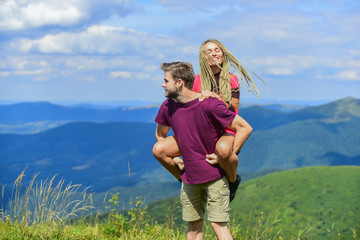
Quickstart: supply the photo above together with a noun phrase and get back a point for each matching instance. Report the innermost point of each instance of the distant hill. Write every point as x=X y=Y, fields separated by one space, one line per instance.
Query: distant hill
x=27 y=112
x=284 y=107
x=98 y=155
x=22 y=113
x=340 y=109
x=303 y=143
x=321 y=135
x=34 y=117
x=102 y=155
x=320 y=201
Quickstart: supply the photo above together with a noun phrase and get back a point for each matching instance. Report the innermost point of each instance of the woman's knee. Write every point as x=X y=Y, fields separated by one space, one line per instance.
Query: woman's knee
x=158 y=149
x=223 y=150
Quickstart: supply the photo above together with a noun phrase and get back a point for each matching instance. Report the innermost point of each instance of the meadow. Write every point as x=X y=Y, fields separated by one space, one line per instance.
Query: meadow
x=305 y=203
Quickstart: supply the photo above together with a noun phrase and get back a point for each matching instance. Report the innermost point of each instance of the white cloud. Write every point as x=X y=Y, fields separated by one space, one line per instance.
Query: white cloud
x=4 y=74
x=18 y=15
x=41 y=78
x=86 y=68
x=354 y=52
x=99 y=63
x=347 y=75
x=191 y=49
x=208 y=5
x=24 y=63
x=293 y=64
x=142 y=76
x=29 y=72
x=355 y=63
x=275 y=34
x=121 y=74
x=279 y=71
x=180 y=6
x=128 y=75
x=95 y=46
x=100 y=39
x=286 y=65
x=40 y=14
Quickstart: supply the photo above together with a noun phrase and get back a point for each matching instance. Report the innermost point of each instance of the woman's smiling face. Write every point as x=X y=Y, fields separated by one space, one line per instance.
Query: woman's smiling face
x=215 y=53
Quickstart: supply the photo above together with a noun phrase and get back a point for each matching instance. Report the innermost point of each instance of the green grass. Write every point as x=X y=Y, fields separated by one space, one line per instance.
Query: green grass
x=319 y=202
x=306 y=203
x=316 y=198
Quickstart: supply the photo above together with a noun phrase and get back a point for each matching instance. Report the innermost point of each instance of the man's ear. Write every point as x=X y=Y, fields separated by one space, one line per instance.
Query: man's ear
x=180 y=82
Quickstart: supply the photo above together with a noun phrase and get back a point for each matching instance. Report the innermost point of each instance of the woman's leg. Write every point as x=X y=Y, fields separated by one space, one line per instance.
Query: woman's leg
x=164 y=151
x=225 y=156
x=228 y=161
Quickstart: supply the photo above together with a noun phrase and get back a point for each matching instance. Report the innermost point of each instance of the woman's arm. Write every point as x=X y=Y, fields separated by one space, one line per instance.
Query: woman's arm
x=243 y=131
x=235 y=104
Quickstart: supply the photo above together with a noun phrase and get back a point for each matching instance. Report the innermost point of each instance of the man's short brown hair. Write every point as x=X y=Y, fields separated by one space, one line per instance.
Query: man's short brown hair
x=180 y=70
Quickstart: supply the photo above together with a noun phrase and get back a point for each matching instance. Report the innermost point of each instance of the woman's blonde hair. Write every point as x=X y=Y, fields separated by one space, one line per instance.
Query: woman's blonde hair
x=208 y=81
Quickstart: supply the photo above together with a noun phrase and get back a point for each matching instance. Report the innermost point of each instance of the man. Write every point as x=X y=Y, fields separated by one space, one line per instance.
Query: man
x=197 y=126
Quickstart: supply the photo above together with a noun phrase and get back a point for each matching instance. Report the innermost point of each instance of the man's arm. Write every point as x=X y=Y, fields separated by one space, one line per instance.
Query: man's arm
x=243 y=131
x=161 y=132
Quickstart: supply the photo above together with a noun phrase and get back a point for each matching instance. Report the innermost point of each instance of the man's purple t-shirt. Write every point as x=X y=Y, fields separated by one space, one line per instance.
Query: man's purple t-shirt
x=197 y=125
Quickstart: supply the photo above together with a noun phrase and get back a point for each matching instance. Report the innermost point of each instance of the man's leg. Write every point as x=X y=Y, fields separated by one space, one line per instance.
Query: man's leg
x=193 y=202
x=165 y=151
x=222 y=230
x=218 y=207
x=195 y=230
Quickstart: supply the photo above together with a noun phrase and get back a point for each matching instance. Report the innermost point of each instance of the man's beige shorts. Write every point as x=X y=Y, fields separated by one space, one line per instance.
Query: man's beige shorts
x=214 y=195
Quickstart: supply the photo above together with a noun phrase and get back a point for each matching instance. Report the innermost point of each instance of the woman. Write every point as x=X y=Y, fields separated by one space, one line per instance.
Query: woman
x=214 y=81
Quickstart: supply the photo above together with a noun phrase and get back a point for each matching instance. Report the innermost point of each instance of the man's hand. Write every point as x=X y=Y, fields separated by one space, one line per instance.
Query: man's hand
x=206 y=94
x=212 y=159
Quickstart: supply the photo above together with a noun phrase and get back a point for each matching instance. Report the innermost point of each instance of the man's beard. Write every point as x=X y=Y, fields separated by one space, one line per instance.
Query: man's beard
x=172 y=94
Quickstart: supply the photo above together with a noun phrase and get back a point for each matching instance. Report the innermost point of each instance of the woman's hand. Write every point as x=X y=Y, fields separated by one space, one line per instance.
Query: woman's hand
x=206 y=94
x=212 y=159
x=179 y=162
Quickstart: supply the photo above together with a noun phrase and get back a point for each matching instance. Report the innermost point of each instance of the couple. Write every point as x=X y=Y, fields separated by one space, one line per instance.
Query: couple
x=209 y=133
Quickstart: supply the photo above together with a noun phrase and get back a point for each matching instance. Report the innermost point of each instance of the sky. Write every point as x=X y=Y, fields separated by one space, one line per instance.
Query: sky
x=110 y=50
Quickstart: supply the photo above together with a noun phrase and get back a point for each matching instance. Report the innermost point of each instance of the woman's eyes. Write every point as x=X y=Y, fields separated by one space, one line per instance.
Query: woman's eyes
x=216 y=50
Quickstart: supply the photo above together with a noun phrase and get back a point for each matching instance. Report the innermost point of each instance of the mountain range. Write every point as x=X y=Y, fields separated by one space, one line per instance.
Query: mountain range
x=110 y=153
x=34 y=117
x=27 y=112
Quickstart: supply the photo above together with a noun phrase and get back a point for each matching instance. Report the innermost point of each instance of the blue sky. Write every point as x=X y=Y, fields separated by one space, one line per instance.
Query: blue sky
x=110 y=50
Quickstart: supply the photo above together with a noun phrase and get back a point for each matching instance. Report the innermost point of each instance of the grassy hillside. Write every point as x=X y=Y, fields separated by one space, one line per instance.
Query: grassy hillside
x=314 y=197
x=306 y=203
x=149 y=193
x=319 y=200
